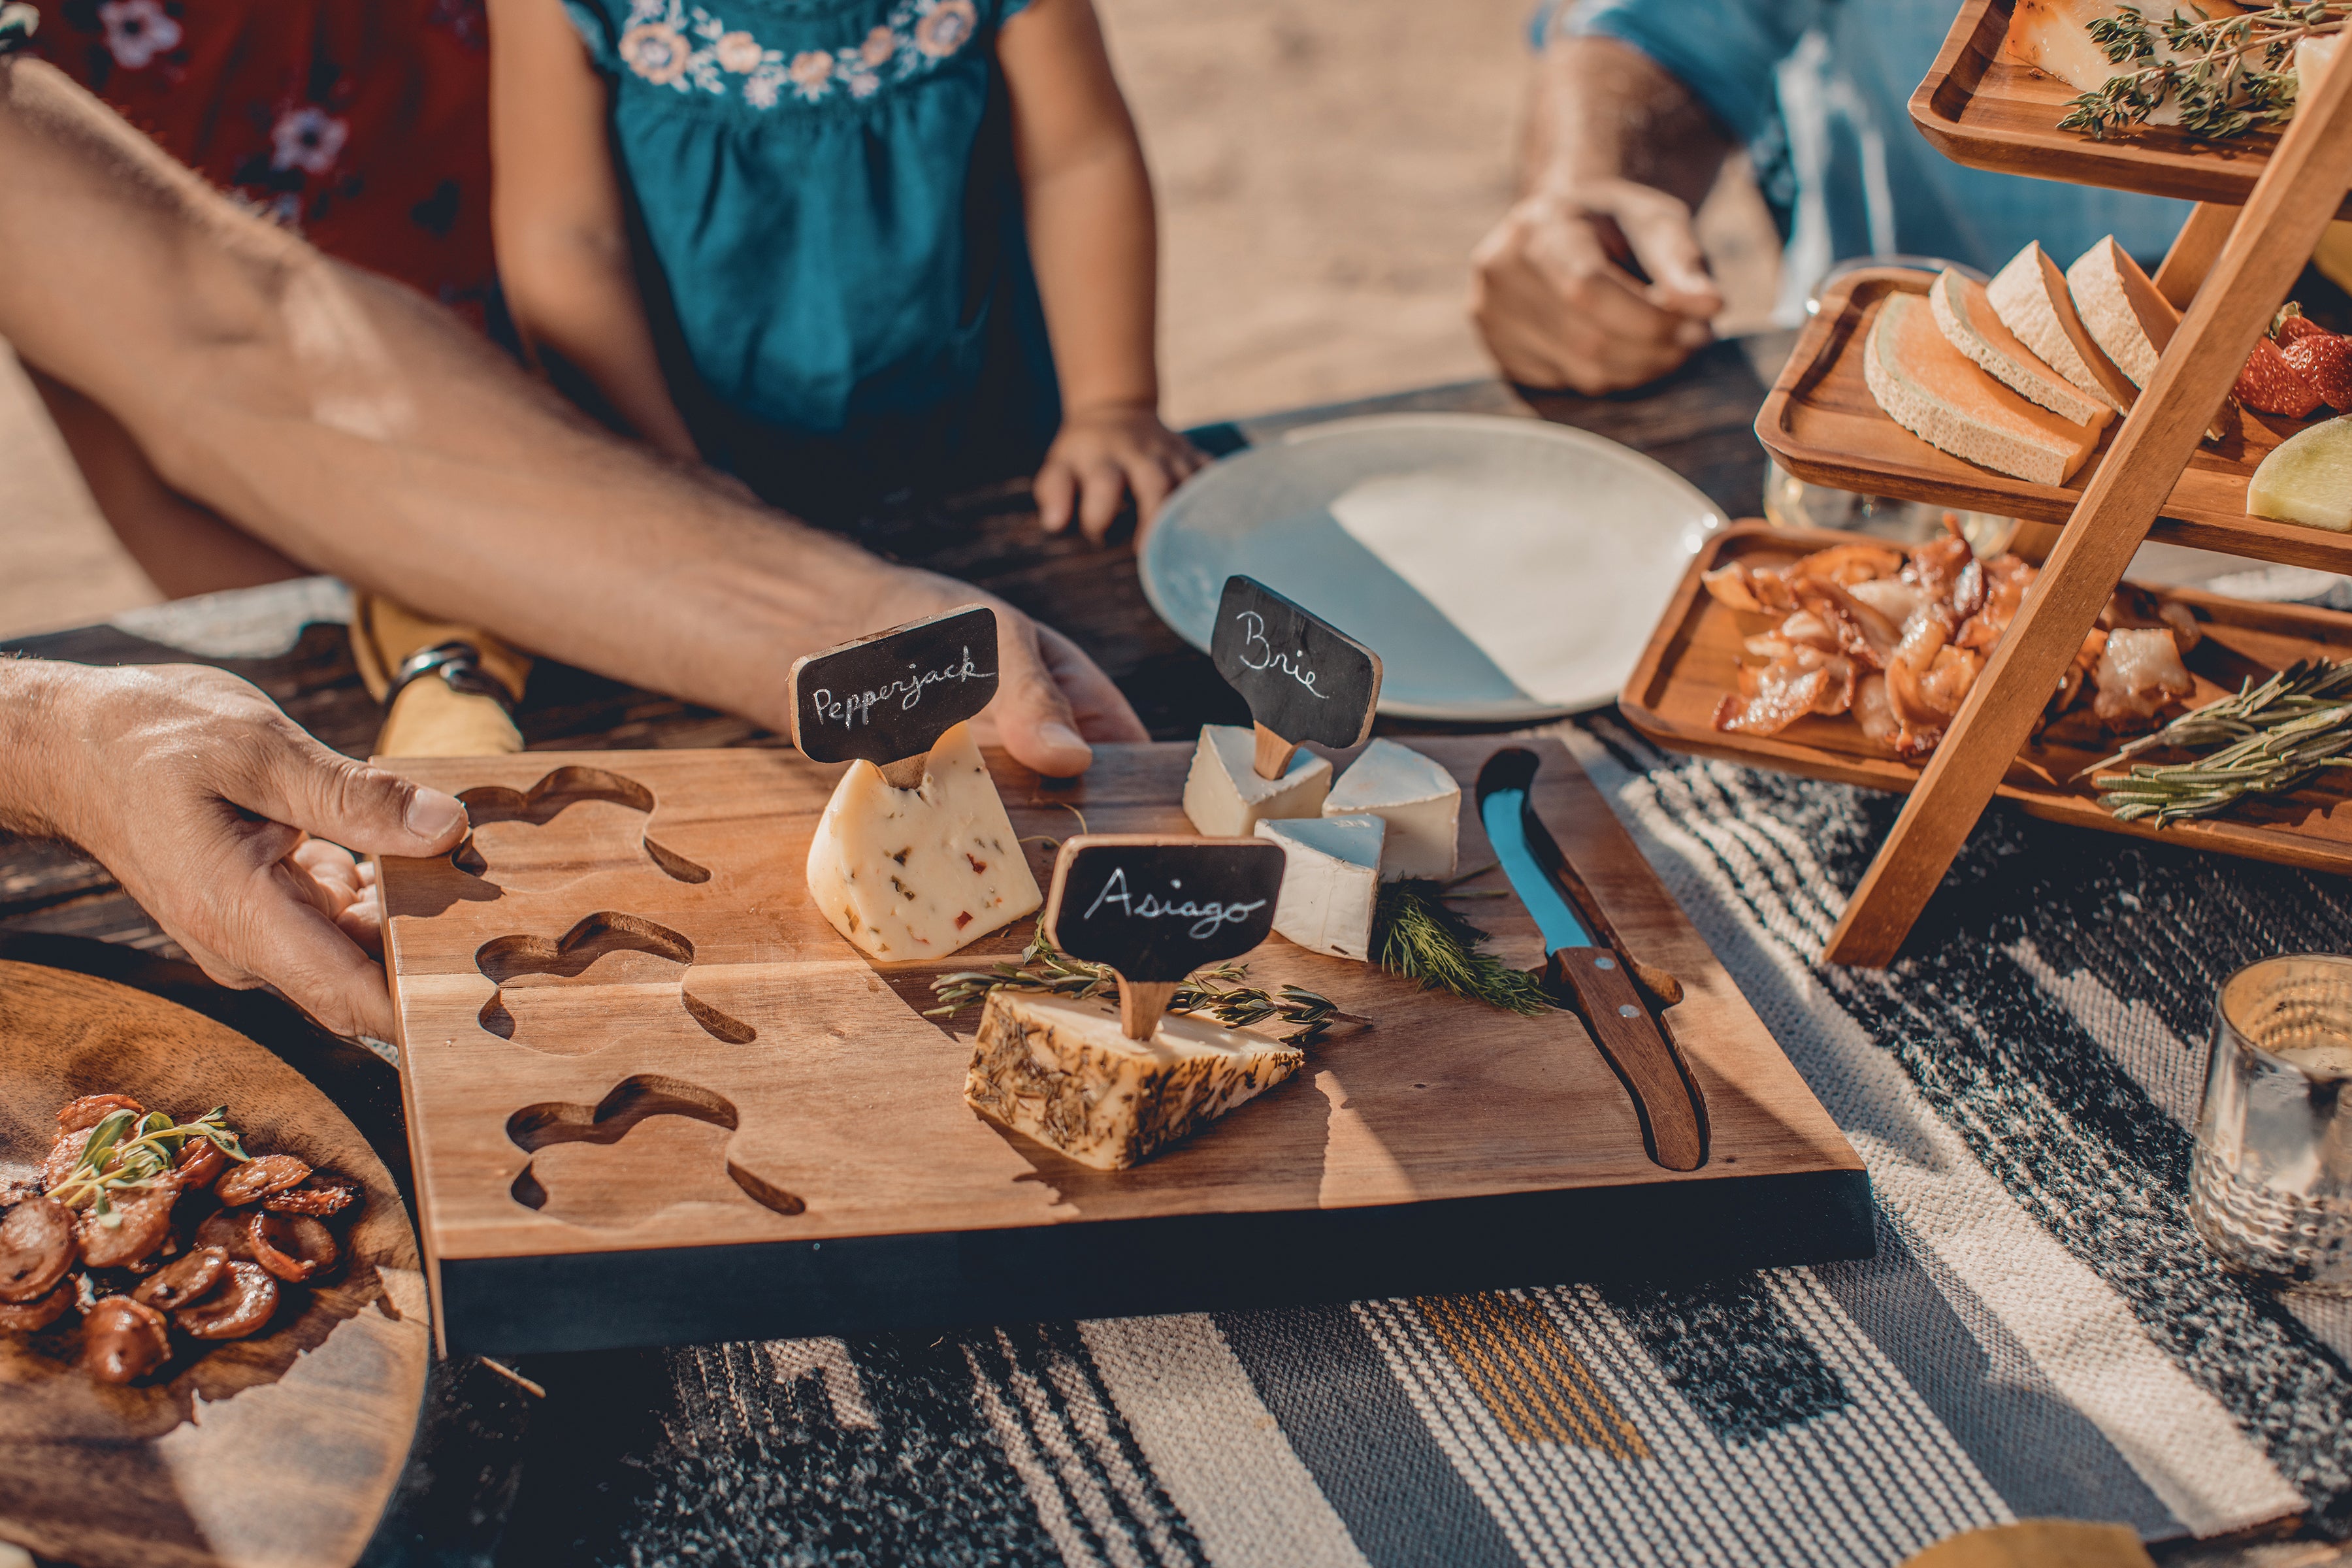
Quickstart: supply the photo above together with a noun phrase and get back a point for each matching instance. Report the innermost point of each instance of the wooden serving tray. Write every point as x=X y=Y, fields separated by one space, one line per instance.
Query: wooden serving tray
x=1977 y=106
x=1693 y=658
x=1820 y=424
x=652 y=1097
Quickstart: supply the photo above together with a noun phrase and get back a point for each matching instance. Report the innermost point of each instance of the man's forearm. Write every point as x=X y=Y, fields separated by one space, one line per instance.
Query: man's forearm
x=364 y=432
x=1603 y=110
x=28 y=747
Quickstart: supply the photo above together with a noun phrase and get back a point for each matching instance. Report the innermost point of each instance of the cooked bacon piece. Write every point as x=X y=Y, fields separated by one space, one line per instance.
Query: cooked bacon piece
x=1750 y=586
x=1862 y=633
x=2138 y=609
x=37 y=1247
x=1891 y=597
x=123 y=1340
x=2139 y=674
x=64 y=1155
x=1874 y=712
x=2006 y=580
x=1847 y=565
x=1774 y=695
x=1936 y=567
x=93 y=1109
x=258 y=1178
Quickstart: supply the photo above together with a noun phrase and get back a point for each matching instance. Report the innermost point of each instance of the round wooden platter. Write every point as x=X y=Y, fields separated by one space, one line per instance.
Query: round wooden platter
x=281 y=1449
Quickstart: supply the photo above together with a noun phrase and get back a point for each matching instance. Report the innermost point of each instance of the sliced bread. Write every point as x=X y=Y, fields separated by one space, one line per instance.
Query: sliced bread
x=1937 y=392
x=2029 y=296
x=1967 y=319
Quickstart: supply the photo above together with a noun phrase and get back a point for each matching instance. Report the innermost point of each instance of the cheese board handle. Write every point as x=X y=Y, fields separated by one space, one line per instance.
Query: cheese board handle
x=1273 y=754
x=1629 y=1037
x=907 y=773
x=1140 y=1004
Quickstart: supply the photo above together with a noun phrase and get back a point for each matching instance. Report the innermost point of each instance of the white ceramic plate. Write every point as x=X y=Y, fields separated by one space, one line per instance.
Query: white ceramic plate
x=1504 y=570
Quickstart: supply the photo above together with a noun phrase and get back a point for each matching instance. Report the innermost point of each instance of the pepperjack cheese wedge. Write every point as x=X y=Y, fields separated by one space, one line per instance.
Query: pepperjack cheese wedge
x=1330 y=882
x=1937 y=392
x=919 y=873
x=1225 y=798
x=1061 y=1072
x=1970 y=323
x=1420 y=802
x=2030 y=298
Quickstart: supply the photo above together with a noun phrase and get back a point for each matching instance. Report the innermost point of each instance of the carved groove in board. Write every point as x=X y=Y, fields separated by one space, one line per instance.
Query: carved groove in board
x=548 y=799
x=506 y=958
x=630 y=1104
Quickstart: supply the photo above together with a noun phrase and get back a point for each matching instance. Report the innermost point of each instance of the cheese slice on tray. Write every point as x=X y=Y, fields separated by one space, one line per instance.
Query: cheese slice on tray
x=2029 y=296
x=1061 y=1072
x=919 y=873
x=1420 y=801
x=2054 y=37
x=1330 y=882
x=1225 y=798
x=1937 y=392
x=1972 y=326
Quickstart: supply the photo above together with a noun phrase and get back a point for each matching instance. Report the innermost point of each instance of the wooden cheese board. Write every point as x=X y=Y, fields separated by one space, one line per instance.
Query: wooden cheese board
x=281 y=1449
x=1821 y=423
x=1979 y=107
x=1692 y=660
x=653 y=1096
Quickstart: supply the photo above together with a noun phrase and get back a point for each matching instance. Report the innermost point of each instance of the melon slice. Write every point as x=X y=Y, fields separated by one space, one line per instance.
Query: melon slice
x=2308 y=479
x=1967 y=319
x=2127 y=317
x=1937 y=392
x=2029 y=296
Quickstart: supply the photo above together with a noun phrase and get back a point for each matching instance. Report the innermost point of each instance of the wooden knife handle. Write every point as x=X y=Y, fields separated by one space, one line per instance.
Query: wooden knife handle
x=1622 y=1026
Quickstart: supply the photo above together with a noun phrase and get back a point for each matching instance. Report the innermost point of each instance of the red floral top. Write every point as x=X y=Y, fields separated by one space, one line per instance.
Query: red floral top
x=363 y=123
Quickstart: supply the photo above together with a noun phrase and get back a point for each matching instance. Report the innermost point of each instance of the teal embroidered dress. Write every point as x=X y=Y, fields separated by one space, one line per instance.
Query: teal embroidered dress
x=826 y=189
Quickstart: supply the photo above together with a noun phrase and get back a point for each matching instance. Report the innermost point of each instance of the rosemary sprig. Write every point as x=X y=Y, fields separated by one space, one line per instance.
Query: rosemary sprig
x=2266 y=739
x=1221 y=993
x=2302 y=689
x=2228 y=73
x=126 y=1150
x=1414 y=935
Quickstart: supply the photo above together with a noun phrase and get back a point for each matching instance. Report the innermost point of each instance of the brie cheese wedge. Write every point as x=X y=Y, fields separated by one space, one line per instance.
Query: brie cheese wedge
x=1330 y=882
x=1061 y=1072
x=919 y=873
x=1225 y=798
x=1420 y=801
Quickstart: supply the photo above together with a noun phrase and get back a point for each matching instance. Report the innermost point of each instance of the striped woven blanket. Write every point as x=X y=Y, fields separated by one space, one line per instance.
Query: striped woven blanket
x=2040 y=1334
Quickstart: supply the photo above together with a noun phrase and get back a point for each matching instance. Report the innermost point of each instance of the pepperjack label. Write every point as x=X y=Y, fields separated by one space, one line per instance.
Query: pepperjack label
x=892 y=695
x=1302 y=676
x=1158 y=909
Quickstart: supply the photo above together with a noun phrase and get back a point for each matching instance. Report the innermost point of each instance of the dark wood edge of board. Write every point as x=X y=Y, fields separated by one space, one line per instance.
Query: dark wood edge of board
x=1826 y=339
x=2159 y=163
x=517 y=1306
x=2247 y=841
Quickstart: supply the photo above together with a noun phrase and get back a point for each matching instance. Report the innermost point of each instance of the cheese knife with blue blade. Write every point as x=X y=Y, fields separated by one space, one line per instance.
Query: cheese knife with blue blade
x=1594 y=973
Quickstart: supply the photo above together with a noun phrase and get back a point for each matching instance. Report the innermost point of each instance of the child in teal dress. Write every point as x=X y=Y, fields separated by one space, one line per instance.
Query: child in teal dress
x=838 y=247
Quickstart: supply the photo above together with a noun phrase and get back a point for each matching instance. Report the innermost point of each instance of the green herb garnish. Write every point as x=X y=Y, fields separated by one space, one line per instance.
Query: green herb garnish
x=2266 y=739
x=1415 y=936
x=2232 y=73
x=126 y=1151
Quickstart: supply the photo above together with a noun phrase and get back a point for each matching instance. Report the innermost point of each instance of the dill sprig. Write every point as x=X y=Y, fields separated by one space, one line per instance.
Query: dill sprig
x=2229 y=73
x=1415 y=936
x=1222 y=993
x=126 y=1151
x=2265 y=740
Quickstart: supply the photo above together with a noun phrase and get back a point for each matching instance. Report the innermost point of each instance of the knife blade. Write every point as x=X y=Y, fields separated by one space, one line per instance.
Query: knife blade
x=1596 y=974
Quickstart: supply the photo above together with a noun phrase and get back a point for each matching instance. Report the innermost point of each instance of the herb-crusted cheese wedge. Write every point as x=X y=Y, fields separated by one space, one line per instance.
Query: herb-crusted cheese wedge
x=1062 y=1072
x=919 y=873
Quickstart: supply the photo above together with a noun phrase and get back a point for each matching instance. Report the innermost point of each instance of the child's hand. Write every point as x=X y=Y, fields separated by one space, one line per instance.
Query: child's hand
x=1102 y=454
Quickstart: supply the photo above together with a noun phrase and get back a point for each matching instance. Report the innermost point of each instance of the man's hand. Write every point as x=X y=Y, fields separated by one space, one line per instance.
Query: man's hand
x=201 y=796
x=1551 y=294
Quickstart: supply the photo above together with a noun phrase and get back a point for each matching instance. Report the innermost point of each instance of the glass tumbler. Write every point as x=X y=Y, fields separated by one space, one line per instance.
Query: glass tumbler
x=2271 y=1179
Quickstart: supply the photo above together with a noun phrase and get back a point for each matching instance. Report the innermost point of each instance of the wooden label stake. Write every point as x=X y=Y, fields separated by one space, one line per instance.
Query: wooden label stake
x=1303 y=678
x=887 y=699
x=1154 y=909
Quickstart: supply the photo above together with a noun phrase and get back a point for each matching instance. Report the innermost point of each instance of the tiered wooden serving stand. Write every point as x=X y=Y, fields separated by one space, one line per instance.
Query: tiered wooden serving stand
x=2230 y=269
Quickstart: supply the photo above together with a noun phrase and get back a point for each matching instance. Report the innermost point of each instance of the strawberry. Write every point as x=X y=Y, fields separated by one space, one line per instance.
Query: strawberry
x=2269 y=384
x=2320 y=357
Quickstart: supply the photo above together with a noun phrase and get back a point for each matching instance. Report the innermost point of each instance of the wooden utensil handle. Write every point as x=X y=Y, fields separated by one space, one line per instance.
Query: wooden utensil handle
x=1632 y=1041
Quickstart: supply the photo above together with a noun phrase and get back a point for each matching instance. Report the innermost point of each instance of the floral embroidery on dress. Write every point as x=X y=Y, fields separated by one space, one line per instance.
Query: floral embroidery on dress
x=308 y=139
x=137 y=31
x=671 y=44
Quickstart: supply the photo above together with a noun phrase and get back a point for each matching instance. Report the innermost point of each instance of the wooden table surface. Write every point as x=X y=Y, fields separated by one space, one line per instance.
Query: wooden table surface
x=1698 y=422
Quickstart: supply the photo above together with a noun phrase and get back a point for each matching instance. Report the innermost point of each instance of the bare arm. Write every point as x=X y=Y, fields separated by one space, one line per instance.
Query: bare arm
x=364 y=431
x=559 y=222
x=1618 y=155
x=1095 y=241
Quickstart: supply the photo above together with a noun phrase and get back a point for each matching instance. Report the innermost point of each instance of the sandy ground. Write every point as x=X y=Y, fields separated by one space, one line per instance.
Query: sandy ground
x=1323 y=173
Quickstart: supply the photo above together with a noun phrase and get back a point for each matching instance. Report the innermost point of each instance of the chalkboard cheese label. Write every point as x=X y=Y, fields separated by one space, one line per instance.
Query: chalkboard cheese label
x=891 y=696
x=1155 y=910
x=1303 y=678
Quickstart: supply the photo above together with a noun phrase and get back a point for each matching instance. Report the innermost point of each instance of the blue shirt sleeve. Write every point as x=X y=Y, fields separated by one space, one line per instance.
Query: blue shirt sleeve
x=1723 y=50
